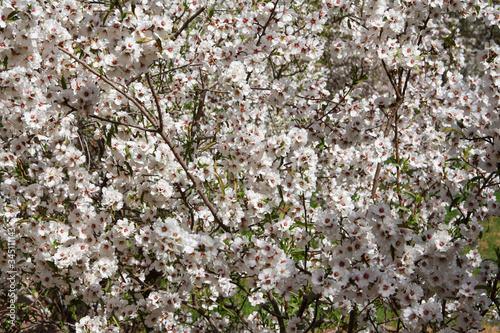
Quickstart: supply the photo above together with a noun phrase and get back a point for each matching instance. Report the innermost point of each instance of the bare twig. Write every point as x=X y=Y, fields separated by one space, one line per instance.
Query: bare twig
x=394 y=85
x=153 y=130
x=271 y=16
x=177 y=68
x=160 y=116
x=334 y=109
x=277 y=310
x=184 y=199
x=202 y=312
x=387 y=131
x=185 y=25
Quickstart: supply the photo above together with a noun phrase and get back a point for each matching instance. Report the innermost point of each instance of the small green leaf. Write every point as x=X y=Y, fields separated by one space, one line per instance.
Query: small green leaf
x=207 y=146
x=451 y=129
x=52 y=265
x=158 y=42
x=211 y=12
x=108 y=286
x=481 y=287
x=116 y=320
x=63 y=83
x=12 y=16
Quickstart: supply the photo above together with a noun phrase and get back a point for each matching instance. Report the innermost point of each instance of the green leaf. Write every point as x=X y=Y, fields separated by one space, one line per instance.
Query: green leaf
x=63 y=83
x=129 y=168
x=116 y=320
x=106 y=17
x=482 y=287
x=451 y=129
x=52 y=265
x=12 y=16
x=108 y=286
x=158 y=42
x=208 y=146
x=211 y=12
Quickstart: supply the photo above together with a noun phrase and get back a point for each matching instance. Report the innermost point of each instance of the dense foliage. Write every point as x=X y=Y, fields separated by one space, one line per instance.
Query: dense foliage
x=252 y=166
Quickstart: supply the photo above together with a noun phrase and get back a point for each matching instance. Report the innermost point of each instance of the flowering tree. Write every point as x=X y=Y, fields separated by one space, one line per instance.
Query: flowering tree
x=252 y=166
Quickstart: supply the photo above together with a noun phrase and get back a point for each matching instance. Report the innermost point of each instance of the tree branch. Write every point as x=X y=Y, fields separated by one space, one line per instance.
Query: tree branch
x=113 y=85
x=153 y=130
x=267 y=23
x=159 y=130
x=160 y=116
x=202 y=312
x=185 y=25
x=387 y=131
x=277 y=310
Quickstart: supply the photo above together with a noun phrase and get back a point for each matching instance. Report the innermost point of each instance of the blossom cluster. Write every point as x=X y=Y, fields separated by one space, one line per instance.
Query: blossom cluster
x=251 y=166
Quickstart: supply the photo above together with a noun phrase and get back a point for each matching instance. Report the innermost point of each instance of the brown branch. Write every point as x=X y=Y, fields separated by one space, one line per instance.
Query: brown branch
x=277 y=310
x=306 y=300
x=316 y=99
x=334 y=109
x=352 y=320
x=177 y=68
x=237 y=311
x=394 y=85
x=185 y=25
x=267 y=23
x=184 y=199
x=160 y=116
x=400 y=93
x=196 y=182
x=114 y=85
x=315 y=323
x=202 y=312
x=387 y=131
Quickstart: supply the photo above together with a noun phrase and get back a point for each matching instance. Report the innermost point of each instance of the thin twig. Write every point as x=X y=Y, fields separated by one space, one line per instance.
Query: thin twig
x=113 y=85
x=177 y=68
x=386 y=133
x=160 y=116
x=334 y=109
x=196 y=182
x=267 y=23
x=394 y=85
x=185 y=25
x=184 y=199
x=153 y=130
x=202 y=312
